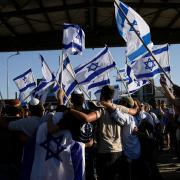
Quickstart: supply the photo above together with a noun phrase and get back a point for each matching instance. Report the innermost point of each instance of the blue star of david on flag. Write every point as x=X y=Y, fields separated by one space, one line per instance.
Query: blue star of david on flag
x=134 y=23
x=137 y=82
x=79 y=35
x=50 y=151
x=149 y=64
x=93 y=67
x=25 y=79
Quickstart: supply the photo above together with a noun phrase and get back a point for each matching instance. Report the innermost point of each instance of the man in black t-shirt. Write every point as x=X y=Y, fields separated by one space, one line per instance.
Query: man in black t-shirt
x=80 y=130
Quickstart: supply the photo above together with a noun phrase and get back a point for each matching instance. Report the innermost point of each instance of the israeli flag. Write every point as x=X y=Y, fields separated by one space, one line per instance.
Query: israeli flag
x=42 y=90
x=46 y=82
x=102 y=63
x=147 y=68
x=122 y=75
x=134 y=84
x=68 y=80
x=57 y=156
x=100 y=81
x=73 y=39
x=25 y=83
x=135 y=48
x=47 y=74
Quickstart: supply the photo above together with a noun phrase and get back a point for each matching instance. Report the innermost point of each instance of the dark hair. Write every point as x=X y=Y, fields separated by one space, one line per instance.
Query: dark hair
x=77 y=99
x=12 y=111
x=107 y=93
x=36 y=110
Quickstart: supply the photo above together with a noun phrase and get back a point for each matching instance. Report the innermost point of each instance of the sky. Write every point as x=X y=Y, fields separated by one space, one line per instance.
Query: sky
x=18 y=64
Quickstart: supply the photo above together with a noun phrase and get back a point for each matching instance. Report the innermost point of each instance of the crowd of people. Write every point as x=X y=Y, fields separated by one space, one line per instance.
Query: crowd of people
x=122 y=140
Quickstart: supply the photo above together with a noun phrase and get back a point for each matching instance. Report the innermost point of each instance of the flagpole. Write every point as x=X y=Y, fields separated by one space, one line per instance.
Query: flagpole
x=122 y=81
x=79 y=85
x=169 y=64
x=56 y=81
x=3 y=102
x=61 y=65
x=143 y=42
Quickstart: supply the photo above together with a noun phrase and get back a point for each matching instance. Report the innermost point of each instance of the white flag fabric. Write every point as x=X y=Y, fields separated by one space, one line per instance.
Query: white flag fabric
x=135 y=48
x=47 y=74
x=122 y=75
x=73 y=39
x=147 y=68
x=100 y=81
x=25 y=83
x=102 y=63
x=57 y=156
x=97 y=93
x=116 y=92
x=134 y=84
x=68 y=80
x=42 y=89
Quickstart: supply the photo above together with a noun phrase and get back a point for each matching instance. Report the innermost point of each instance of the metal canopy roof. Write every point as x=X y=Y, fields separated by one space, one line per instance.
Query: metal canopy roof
x=37 y=24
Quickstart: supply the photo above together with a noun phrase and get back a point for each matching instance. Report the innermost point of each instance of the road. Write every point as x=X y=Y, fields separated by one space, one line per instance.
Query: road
x=169 y=166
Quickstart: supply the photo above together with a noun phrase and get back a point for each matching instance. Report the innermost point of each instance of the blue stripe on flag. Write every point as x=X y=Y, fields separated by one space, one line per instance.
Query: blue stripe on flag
x=121 y=71
x=142 y=49
x=104 y=82
x=70 y=89
x=41 y=86
x=119 y=80
x=66 y=26
x=22 y=75
x=55 y=88
x=97 y=73
x=72 y=44
x=157 y=51
x=65 y=62
x=120 y=18
x=151 y=74
x=116 y=86
x=27 y=86
x=98 y=91
x=77 y=161
x=97 y=57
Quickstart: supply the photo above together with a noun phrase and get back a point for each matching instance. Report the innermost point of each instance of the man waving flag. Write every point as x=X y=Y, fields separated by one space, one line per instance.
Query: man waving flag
x=128 y=21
